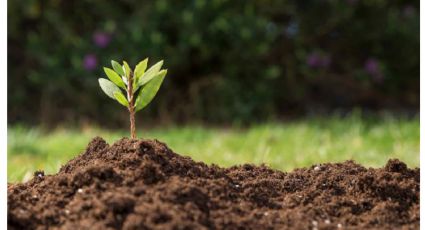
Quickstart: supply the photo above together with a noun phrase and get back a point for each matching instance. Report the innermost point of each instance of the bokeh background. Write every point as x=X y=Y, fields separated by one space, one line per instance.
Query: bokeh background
x=286 y=83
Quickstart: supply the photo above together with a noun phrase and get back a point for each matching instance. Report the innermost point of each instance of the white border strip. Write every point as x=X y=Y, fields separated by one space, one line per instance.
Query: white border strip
x=3 y=122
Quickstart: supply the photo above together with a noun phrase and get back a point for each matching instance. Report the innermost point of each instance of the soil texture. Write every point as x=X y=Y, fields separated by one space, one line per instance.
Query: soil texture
x=142 y=184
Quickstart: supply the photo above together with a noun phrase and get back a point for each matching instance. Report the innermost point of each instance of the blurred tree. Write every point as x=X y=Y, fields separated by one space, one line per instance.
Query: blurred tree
x=228 y=61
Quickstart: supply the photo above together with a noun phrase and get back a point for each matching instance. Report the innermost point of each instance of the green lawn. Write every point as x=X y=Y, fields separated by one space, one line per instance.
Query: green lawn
x=281 y=145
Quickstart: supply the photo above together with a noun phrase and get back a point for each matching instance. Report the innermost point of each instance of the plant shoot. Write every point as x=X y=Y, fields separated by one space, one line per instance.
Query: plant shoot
x=139 y=86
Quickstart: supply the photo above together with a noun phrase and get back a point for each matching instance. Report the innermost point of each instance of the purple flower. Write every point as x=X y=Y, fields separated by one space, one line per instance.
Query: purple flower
x=373 y=68
x=408 y=11
x=90 y=62
x=316 y=60
x=101 y=39
x=313 y=60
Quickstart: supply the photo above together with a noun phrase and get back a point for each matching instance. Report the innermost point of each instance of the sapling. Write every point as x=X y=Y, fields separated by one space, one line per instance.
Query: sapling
x=140 y=86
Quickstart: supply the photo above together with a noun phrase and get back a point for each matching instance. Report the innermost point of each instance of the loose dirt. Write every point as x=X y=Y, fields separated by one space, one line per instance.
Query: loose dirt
x=142 y=184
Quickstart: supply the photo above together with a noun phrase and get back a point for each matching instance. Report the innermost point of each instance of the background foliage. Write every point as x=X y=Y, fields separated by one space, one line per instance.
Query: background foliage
x=228 y=61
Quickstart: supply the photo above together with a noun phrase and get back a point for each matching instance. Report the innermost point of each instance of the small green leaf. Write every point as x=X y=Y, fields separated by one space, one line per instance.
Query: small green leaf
x=149 y=74
x=140 y=69
x=127 y=69
x=108 y=87
x=117 y=67
x=124 y=79
x=148 y=92
x=121 y=98
x=114 y=77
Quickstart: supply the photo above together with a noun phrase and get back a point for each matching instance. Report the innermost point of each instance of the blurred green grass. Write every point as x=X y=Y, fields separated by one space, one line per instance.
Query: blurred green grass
x=283 y=146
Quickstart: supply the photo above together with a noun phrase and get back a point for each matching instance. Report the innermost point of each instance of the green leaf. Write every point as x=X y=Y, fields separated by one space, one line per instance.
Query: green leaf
x=127 y=69
x=117 y=67
x=121 y=98
x=149 y=74
x=124 y=79
x=114 y=77
x=148 y=92
x=108 y=87
x=140 y=69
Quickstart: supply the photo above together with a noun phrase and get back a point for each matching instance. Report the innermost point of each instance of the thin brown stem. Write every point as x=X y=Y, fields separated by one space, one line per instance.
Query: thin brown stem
x=132 y=123
x=131 y=106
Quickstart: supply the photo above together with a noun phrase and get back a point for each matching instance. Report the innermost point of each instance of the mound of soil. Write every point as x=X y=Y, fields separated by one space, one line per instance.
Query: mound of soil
x=142 y=184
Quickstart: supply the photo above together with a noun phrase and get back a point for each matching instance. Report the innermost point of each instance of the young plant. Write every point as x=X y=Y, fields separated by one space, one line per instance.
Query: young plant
x=140 y=86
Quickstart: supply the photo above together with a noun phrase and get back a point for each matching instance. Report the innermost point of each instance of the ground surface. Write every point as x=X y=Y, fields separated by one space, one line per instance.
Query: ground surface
x=136 y=184
x=283 y=146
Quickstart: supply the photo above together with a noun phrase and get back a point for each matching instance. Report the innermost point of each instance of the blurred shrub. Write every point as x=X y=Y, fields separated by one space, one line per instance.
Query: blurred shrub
x=228 y=61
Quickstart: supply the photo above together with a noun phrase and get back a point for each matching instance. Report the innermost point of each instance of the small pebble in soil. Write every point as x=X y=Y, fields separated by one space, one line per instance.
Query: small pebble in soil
x=339 y=225
x=39 y=174
x=317 y=168
x=266 y=213
x=66 y=211
x=314 y=223
x=327 y=221
x=80 y=190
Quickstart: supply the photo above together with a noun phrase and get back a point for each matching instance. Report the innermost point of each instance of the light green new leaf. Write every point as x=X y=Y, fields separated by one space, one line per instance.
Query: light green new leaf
x=140 y=69
x=124 y=79
x=121 y=98
x=108 y=87
x=127 y=69
x=149 y=74
x=117 y=67
x=148 y=92
x=114 y=77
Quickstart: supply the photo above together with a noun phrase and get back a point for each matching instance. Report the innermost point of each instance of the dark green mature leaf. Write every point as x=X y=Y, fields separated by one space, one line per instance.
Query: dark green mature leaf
x=117 y=67
x=108 y=87
x=149 y=74
x=114 y=77
x=148 y=92
x=127 y=69
x=121 y=98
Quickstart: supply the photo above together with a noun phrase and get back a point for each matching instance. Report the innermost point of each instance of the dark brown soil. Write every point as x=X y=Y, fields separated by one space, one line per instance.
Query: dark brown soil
x=141 y=184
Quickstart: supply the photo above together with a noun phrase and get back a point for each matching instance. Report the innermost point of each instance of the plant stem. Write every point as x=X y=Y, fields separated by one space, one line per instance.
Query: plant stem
x=131 y=106
x=132 y=123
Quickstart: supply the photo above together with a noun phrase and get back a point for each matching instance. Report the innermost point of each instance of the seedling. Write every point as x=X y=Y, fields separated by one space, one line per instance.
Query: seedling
x=140 y=85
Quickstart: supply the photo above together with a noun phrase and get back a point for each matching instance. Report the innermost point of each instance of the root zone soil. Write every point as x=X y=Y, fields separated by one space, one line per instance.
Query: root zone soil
x=142 y=184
